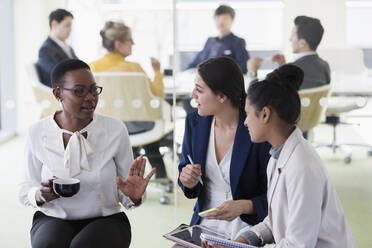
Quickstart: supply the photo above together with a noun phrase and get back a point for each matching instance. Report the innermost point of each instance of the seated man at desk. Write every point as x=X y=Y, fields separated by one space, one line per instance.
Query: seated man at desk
x=225 y=44
x=305 y=38
x=54 y=48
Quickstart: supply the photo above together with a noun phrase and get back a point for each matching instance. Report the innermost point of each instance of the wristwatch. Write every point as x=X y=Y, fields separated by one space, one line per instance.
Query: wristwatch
x=252 y=74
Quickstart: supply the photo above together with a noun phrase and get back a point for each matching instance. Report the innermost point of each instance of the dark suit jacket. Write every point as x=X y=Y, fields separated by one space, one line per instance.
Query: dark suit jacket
x=231 y=46
x=247 y=170
x=316 y=71
x=50 y=54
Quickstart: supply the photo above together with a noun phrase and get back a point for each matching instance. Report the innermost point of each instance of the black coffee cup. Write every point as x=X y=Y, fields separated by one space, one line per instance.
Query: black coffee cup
x=66 y=187
x=168 y=72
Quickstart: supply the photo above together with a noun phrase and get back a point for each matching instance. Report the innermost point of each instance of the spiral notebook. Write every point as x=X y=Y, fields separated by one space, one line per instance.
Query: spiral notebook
x=225 y=242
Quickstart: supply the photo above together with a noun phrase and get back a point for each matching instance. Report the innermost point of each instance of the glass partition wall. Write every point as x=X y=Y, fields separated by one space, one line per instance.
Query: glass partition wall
x=152 y=28
x=7 y=83
x=172 y=31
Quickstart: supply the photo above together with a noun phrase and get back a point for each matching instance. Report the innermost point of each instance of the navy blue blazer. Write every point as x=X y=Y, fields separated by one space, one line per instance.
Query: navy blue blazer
x=50 y=54
x=230 y=45
x=247 y=170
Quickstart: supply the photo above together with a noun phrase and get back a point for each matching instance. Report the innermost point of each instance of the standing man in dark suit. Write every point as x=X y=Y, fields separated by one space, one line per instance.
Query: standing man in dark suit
x=226 y=43
x=54 y=48
x=305 y=38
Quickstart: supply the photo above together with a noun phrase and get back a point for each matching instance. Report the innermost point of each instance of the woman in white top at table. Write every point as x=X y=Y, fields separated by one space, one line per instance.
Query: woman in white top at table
x=76 y=143
x=304 y=209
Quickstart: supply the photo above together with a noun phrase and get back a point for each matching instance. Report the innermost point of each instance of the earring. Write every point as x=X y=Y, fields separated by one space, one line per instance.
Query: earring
x=221 y=101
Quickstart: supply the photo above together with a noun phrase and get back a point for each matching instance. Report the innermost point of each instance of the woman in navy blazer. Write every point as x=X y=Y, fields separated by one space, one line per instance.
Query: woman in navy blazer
x=219 y=92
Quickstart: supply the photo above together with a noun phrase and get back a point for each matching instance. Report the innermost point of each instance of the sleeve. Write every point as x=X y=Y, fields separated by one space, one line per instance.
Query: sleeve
x=186 y=150
x=202 y=55
x=47 y=60
x=123 y=159
x=264 y=231
x=328 y=73
x=250 y=236
x=262 y=156
x=260 y=202
x=157 y=85
x=304 y=192
x=241 y=55
x=30 y=181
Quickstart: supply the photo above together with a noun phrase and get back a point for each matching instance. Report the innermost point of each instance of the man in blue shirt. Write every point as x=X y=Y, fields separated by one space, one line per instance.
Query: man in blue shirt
x=226 y=44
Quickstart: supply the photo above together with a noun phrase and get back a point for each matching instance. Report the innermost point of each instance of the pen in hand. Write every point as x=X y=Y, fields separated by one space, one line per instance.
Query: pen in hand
x=192 y=162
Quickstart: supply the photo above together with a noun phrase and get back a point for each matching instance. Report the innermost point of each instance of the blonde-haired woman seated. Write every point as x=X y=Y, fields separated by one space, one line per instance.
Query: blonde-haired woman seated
x=117 y=39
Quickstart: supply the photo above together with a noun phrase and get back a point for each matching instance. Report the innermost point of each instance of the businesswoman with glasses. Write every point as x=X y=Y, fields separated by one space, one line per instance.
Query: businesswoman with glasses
x=95 y=149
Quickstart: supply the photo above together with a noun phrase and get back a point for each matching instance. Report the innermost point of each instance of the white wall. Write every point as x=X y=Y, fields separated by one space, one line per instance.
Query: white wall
x=31 y=28
x=332 y=14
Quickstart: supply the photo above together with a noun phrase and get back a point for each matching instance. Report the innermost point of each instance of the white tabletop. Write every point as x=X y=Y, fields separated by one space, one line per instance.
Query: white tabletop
x=185 y=82
x=342 y=84
x=352 y=85
x=182 y=84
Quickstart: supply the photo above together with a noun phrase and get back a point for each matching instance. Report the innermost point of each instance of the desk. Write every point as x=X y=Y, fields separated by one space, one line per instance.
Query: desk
x=184 y=85
x=351 y=85
x=185 y=82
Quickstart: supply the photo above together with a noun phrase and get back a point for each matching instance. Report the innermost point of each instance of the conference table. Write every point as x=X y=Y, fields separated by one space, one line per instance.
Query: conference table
x=185 y=82
x=352 y=85
x=347 y=85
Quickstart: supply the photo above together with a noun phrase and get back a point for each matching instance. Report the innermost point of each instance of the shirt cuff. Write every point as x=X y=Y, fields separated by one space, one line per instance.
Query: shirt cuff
x=31 y=195
x=158 y=74
x=262 y=232
x=129 y=204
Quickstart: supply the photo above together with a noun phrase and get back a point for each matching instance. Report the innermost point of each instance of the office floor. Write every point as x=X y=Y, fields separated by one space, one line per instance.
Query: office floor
x=149 y=222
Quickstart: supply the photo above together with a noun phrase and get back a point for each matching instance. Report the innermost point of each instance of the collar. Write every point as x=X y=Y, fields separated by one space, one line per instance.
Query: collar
x=275 y=152
x=225 y=37
x=114 y=57
x=297 y=56
x=87 y=128
x=59 y=42
x=77 y=150
x=289 y=146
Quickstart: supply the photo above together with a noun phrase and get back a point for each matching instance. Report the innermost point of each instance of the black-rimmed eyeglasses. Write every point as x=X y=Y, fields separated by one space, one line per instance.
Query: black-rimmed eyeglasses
x=82 y=91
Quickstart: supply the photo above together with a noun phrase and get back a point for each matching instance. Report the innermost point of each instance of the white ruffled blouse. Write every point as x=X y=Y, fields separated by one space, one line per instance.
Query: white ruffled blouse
x=96 y=161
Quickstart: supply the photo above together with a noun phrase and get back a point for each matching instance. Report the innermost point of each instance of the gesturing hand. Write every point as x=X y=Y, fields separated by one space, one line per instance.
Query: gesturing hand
x=253 y=64
x=278 y=58
x=155 y=64
x=135 y=185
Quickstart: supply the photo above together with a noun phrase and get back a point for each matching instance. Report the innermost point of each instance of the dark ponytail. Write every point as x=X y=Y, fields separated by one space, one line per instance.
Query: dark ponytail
x=279 y=92
x=224 y=76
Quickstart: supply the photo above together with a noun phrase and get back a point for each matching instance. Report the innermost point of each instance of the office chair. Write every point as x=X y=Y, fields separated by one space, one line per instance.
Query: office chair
x=333 y=118
x=347 y=65
x=313 y=106
x=43 y=94
x=127 y=96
